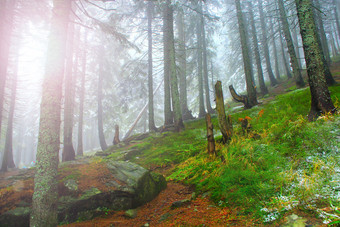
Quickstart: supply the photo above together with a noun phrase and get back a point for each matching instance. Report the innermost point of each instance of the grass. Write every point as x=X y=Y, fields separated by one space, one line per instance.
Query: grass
x=291 y=163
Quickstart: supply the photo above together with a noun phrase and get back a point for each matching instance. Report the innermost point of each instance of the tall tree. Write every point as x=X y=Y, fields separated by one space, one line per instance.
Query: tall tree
x=335 y=12
x=6 y=27
x=293 y=59
x=170 y=64
x=284 y=57
x=263 y=87
x=251 y=91
x=316 y=67
x=7 y=160
x=276 y=60
x=201 y=105
x=44 y=202
x=182 y=72
x=205 y=60
x=272 y=79
x=68 y=153
x=80 y=148
x=152 y=126
x=101 y=135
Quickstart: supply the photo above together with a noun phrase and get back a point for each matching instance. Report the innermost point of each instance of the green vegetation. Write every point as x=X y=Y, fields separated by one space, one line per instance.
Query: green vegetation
x=283 y=162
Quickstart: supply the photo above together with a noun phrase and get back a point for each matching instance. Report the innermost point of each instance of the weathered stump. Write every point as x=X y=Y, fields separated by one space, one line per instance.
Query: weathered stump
x=116 y=138
x=225 y=124
x=210 y=134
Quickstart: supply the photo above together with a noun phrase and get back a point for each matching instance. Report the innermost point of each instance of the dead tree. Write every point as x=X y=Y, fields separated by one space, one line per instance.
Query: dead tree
x=210 y=134
x=240 y=98
x=225 y=124
x=116 y=138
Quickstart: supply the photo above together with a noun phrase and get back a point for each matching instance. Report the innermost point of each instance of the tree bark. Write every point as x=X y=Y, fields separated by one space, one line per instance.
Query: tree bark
x=68 y=153
x=272 y=79
x=335 y=12
x=316 y=67
x=263 y=87
x=276 y=60
x=225 y=124
x=251 y=92
x=170 y=61
x=116 y=139
x=101 y=135
x=210 y=134
x=44 y=202
x=294 y=61
x=284 y=57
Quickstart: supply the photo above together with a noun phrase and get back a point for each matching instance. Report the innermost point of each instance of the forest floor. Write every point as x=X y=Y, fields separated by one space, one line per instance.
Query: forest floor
x=200 y=211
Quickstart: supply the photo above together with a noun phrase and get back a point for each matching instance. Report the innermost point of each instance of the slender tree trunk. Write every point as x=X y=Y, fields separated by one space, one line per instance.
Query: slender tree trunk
x=276 y=60
x=295 y=37
x=80 y=148
x=8 y=161
x=321 y=31
x=294 y=61
x=202 y=112
x=68 y=150
x=225 y=124
x=316 y=67
x=170 y=63
x=335 y=12
x=6 y=28
x=263 y=87
x=44 y=202
x=251 y=92
x=182 y=67
x=334 y=50
x=272 y=79
x=101 y=135
x=284 y=57
x=152 y=126
x=205 y=61
x=168 y=115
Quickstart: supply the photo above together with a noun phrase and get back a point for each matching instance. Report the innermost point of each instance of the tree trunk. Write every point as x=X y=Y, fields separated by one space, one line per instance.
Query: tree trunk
x=210 y=134
x=251 y=92
x=263 y=87
x=116 y=139
x=272 y=79
x=239 y=98
x=276 y=60
x=170 y=63
x=80 y=148
x=7 y=160
x=152 y=126
x=225 y=125
x=316 y=67
x=68 y=150
x=202 y=112
x=335 y=12
x=101 y=135
x=6 y=28
x=44 y=202
x=294 y=61
x=284 y=57
x=205 y=61
x=182 y=59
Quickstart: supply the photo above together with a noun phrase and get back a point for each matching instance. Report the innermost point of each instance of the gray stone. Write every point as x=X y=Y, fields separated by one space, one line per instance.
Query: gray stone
x=180 y=203
x=131 y=213
x=294 y=221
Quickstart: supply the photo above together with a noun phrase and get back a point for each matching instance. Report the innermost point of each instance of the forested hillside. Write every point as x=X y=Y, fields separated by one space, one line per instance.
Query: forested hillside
x=169 y=112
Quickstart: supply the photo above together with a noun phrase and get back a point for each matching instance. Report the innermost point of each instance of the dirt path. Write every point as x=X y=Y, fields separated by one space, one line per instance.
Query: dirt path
x=198 y=212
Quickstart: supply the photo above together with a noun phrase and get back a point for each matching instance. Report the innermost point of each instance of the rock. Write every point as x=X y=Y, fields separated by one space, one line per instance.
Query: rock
x=294 y=221
x=130 y=186
x=132 y=213
x=180 y=203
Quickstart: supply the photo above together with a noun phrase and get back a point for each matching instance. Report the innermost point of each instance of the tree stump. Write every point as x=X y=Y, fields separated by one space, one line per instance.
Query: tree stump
x=116 y=138
x=210 y=134
x=225 y=124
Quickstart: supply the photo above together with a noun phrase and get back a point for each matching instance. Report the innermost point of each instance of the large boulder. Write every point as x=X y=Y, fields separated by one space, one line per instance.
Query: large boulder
x=124 y=186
